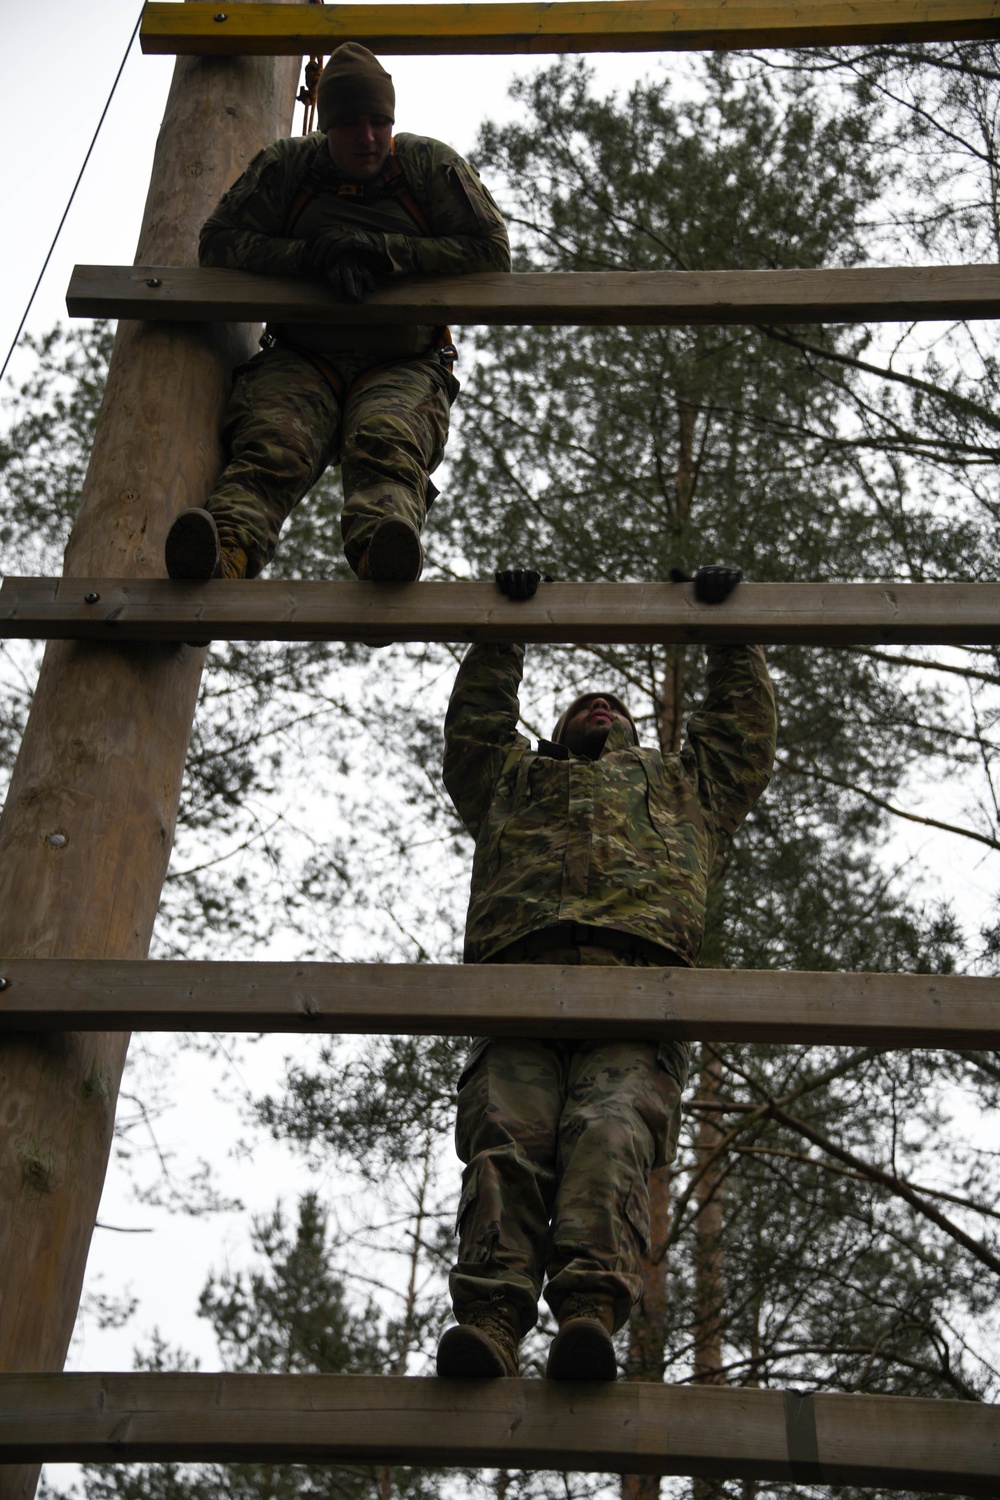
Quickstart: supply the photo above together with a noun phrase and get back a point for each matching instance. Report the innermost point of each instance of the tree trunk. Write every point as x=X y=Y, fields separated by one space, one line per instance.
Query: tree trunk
x=687 y=469
x=386 y=1473
x=709 y=1286
x=647 y=1330
x=708 y=1255
x=88 y=826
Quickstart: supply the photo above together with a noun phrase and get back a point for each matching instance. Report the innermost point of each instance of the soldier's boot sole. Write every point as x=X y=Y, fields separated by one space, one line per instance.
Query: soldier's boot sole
x=192 y=547
x=469 y=1353
x=394 y=553
x=582 y=1350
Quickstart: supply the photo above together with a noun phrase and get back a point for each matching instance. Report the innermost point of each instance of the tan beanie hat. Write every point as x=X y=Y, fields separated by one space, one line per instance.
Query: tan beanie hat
x=354 y=82
x=613 y=699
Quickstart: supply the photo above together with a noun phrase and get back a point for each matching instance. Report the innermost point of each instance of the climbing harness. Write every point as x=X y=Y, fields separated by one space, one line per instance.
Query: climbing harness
x=391 y=183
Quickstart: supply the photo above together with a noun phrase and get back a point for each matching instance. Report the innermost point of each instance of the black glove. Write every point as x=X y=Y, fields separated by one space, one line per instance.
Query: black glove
x=711 y=585
x=350 y=279
x=361 y=244
x=519 y=583
x=351 y=260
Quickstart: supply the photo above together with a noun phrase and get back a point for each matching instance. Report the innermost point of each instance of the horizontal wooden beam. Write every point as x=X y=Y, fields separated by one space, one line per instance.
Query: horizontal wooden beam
x=945 y=1447
x=538 y=27
x=883 y=1010
x=592 y=298
x=821 y=614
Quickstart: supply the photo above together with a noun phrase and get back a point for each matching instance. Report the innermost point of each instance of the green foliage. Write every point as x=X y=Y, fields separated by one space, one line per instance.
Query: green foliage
x=671 y=442
x=45 y=448
x=289 y=1314
x=372 y=1109
x=800 y=454
x=685 y=445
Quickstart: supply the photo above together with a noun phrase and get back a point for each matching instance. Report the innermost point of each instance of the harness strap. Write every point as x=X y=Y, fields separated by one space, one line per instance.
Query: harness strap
x=394 y=185
x=339 y=386
x=392 y=182
x=332 y=377
x=312 y=182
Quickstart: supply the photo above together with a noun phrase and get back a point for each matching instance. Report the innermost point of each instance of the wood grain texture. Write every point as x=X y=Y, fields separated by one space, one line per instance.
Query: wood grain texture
x=943 y=1447
x=596 y=298
x=885 y=1010
x=88 y=823
x=826 y=614
x=599 y=26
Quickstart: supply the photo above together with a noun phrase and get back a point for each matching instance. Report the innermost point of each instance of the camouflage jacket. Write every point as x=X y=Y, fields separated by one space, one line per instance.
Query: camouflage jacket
x=626 y=841
x=249 y=227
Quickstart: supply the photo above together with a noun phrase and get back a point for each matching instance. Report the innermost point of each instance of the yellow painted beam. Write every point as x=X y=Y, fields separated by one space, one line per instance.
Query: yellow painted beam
x=597 y=26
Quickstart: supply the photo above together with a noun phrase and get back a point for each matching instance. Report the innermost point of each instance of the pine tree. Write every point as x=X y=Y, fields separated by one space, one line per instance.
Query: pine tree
x=290 y=1313
x=788 y=1255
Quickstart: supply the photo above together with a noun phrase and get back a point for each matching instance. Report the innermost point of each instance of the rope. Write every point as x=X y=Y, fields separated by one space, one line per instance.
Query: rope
x=69 y=205
x=306 y=95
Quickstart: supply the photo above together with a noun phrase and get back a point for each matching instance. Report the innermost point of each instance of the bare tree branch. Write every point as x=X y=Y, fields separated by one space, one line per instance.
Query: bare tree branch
x=897 y=812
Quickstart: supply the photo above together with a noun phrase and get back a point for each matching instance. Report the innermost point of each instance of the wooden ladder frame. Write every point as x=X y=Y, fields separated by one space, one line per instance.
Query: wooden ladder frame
x=947 y=1447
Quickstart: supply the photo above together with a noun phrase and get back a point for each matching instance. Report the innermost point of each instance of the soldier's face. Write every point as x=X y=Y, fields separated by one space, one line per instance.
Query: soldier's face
x=589 y=727
x=359 y=146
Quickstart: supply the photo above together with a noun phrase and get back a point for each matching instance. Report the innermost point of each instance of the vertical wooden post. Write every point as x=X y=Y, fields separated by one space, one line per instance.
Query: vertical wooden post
x=89 y=821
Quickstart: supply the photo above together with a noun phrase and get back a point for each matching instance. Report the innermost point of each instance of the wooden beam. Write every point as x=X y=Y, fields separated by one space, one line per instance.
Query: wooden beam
x=881 y=1010
x=895 y=1442
x=821 y=614
x=88 y=822
x=597 y=298
x=598 y=26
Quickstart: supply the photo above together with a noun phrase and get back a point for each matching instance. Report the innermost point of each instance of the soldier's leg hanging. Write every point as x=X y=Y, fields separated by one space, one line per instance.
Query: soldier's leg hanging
x=396 y=422
x=282 y=428
x=508 y=1112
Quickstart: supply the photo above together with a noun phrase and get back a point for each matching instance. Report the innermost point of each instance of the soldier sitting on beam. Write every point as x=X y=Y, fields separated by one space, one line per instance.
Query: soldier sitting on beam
x=357 y=206
x=590 y=850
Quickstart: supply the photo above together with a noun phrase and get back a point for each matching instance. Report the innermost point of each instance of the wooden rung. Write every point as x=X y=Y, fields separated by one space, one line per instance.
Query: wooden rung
x=881 y=1010
x=616 y=298
x=897 y=1442
x=599 y=26
x=821 y=614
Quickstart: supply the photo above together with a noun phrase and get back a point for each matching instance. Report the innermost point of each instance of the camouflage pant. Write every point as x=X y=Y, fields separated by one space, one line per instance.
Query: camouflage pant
x=284 y=426
x=559 y=1140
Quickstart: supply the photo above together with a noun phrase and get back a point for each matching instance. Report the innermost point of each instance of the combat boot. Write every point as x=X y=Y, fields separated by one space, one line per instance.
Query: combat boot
x=193 y=550
x=484 y=1346
x=582 y=1349
x=394 y=554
